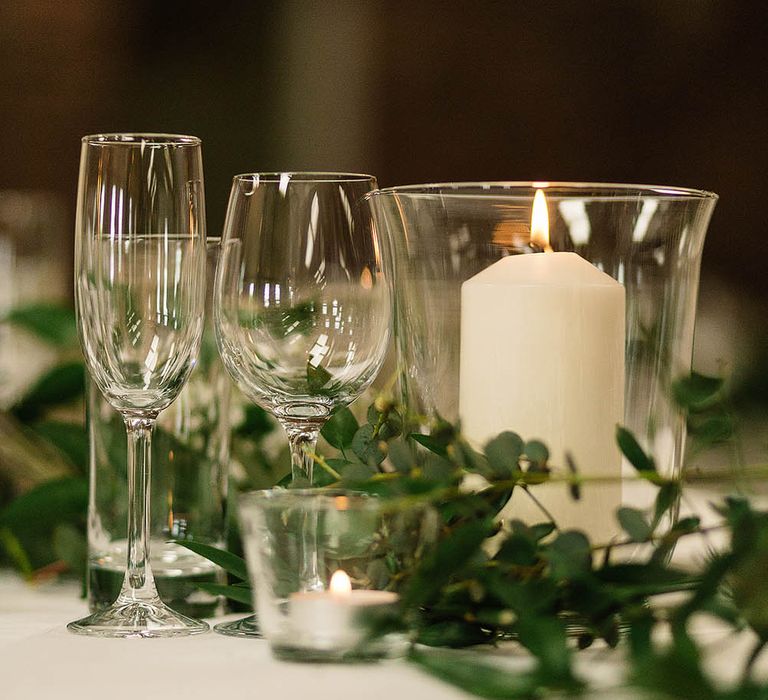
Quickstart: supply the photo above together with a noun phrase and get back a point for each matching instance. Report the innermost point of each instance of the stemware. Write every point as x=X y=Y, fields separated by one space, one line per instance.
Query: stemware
x=302 y=305
x=140 y=299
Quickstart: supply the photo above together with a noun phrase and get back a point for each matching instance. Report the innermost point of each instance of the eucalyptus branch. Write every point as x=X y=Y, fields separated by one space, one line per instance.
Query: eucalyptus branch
x=540 y=506
x=323 y=464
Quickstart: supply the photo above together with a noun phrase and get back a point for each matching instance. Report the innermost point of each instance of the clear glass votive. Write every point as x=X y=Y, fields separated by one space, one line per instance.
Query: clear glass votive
x=555 y=310
x=326 y=566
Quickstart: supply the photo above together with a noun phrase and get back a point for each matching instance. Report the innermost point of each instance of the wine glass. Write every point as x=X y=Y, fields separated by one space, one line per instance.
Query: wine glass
x=302 y=305
x=140 y=255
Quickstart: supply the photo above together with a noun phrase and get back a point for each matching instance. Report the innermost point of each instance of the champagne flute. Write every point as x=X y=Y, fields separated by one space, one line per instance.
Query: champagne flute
x=302 y=306
x=140 y=255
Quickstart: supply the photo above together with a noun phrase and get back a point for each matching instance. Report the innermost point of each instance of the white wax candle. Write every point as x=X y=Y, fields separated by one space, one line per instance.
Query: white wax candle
x=542 y=354
x=331 y=618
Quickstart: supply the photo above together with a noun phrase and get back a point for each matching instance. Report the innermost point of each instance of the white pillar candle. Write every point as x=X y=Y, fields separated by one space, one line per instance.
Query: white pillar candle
x=542 y=354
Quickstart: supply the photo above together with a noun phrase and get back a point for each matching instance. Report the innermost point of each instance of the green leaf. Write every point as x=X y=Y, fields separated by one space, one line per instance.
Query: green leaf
x=401 y=456
x=536 y=452
x=69 y=438
x=317 y=378
x=503 y=454
x=59 y=385
x=282 y=321
x=696 y=391
x=366 y=446
x=574 y=489
x=439 y=447
x=475 y=676
x=354 y=473
x=241 y=594
x=15 y=551
x=52 y=324
x=452 y=633
x=540 y=530
x=570 y=555
x=389 y=421
x=45 y=505
x=231 y=563
x=340 y=428
x=517 y=550
x=438 y=470
x=256 y=423
x=711 y=430
x=545 y=638
x=448 y=556
x=631 y=449
x=665 y=499
x=634 y=523
x=644 y=578
x=71 y=546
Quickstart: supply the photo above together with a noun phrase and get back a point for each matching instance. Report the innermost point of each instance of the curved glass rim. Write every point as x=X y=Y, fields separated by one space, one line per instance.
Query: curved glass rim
x=591 y=190
x=141 y=139
x=308 y=496
x=305 y=176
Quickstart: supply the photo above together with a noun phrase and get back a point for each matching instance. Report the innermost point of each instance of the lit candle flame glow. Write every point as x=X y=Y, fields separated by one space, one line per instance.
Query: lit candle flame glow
x=540 y=222
x=340 y=583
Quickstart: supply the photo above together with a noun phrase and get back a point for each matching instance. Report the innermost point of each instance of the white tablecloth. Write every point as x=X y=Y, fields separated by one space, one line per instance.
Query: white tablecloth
x=39 y=658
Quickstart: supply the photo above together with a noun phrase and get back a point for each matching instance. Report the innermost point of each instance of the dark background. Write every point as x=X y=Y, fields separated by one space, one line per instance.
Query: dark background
x=652 y=92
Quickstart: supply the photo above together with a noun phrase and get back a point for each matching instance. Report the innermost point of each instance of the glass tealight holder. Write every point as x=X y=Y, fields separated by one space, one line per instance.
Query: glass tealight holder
x=326 y=566
x=554 y=310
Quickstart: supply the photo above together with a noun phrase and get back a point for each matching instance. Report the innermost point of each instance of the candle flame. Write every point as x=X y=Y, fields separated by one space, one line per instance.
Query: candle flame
x=340 y=583
x=540 y=222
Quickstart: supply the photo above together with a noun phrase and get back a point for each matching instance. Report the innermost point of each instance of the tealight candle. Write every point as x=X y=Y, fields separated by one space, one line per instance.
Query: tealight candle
x=331 y=619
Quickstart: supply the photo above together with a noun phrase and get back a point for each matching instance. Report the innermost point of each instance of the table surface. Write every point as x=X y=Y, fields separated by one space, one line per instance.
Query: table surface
x=39 y=658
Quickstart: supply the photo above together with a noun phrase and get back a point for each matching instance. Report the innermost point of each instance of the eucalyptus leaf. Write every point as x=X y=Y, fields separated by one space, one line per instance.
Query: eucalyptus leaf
x=70 y=438
x=231 y=563
x=57 y=386
x=666 y=498
x=631 y=449
x=634 y=523
x=439 y=447
x=452 y=633
x=449 y=555
x=570 y=555
x=241 y=594
x=340 y=428
x=711 y=430
x=40 y=508
x=50 y=323
x=317 y=378
x=503 y=454
x=400 y=456
x=545 y=638
x=366 y=446
x=696 y=390
x=573 y=489
x=355 y=473
x=536 y=452
x=477 y=677
x=519 y=550
x=71 y=546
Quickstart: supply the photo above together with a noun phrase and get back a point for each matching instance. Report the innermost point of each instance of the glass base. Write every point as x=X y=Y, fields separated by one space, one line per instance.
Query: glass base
x=244 y=627
x=138 y=619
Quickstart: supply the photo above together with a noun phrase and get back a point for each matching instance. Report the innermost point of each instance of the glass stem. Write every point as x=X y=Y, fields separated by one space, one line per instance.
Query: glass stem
x=139 y=584
x=303 y=440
